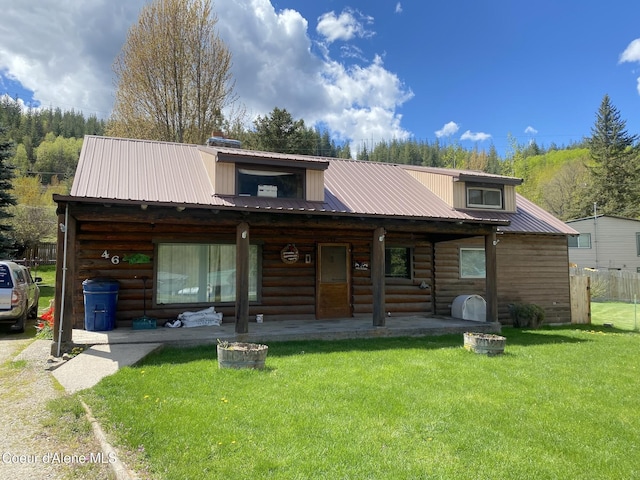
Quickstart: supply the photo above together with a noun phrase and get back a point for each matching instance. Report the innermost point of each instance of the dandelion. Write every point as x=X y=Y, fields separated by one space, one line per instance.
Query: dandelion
x=146 y=396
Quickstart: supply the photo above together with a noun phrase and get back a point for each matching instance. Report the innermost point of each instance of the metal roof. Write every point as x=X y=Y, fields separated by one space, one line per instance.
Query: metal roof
x=143 y=171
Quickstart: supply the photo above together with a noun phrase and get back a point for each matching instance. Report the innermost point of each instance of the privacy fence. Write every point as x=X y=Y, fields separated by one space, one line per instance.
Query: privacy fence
x=41 y=254
x=612 y=285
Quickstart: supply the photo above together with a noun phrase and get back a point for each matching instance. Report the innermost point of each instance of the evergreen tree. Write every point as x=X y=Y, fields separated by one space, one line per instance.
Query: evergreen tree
x=616 y=169
x=6 y=198
x=279 y=132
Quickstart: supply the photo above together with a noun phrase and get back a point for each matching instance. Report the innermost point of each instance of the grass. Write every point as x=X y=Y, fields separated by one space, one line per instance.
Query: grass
x=624 y=316
x=561 y=403
x=47 y=286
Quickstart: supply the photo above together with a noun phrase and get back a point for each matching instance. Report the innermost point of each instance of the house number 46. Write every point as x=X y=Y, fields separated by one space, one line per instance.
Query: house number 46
x=115 y=259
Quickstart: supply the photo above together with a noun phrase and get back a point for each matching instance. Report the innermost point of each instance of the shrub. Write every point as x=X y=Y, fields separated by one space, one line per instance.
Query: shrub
x=526 y=315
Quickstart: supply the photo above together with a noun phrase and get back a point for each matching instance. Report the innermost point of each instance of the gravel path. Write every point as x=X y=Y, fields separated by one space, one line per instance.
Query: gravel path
x=28 y=449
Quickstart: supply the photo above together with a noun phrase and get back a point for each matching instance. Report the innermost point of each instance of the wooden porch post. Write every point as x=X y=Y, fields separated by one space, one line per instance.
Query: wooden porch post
x=377 y=276
x=490 y=243
x=242 y=278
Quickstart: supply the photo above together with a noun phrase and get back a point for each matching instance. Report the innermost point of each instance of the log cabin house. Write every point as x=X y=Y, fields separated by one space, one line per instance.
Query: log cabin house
x=184 y=227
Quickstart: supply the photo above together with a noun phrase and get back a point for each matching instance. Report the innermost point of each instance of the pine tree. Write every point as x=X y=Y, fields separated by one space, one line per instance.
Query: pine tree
x=616 y=169
x=6 y=198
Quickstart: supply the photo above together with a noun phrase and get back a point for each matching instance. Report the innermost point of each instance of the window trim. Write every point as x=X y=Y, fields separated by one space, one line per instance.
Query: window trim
x=585 y=236
x=484 y=205
x=461 y=272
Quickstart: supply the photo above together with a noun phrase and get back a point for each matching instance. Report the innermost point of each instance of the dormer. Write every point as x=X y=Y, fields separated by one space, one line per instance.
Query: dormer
x=469 y=190
x=247 y=173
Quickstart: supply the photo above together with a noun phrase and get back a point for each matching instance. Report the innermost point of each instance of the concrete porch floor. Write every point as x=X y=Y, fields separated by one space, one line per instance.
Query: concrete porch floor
x=287 y=330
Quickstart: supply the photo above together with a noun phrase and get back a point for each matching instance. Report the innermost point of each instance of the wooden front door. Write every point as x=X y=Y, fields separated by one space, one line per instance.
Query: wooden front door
x=333 y=281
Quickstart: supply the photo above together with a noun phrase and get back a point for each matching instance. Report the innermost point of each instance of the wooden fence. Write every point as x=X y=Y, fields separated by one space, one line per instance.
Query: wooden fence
x=41 y=254
x=613 y=285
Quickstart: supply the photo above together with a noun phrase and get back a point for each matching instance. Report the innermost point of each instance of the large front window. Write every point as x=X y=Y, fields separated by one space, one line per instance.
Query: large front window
x=267 y=182
x=201 y=273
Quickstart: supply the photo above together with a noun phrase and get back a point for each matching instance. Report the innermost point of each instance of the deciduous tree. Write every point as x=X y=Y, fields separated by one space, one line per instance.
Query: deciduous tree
x=173 y=74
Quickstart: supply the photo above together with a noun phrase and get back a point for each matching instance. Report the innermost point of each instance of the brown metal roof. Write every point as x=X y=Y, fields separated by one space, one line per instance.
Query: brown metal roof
x=142 y=171
x=464 y=175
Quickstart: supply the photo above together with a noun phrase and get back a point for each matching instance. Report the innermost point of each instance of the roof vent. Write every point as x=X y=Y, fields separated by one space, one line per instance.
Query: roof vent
x=217 y=139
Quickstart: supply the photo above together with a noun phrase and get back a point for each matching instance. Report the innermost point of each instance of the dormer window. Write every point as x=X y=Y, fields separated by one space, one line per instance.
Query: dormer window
x=274 y=182
x=484 y=197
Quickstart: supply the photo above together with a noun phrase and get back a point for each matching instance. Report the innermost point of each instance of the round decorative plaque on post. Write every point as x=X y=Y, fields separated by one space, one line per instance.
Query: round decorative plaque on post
x=289 y=254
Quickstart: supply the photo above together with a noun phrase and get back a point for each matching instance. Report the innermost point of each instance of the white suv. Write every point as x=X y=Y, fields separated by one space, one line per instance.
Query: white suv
x=19 y=295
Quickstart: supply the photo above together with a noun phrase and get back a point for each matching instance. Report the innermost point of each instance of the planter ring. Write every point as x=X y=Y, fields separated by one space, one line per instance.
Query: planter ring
x=484 y=343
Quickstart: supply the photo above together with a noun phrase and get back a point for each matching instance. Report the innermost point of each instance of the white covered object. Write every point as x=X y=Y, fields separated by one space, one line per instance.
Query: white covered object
x=469 y=307
x=206 y=317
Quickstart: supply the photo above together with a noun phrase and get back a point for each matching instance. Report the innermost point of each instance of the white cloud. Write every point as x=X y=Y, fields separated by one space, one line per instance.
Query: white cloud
x=63 y=52
x=530 y=130
x=631 y=53
x=346 y=26
x=274 y=66
x=475 y=136
x=447 y=130
x=398 y=8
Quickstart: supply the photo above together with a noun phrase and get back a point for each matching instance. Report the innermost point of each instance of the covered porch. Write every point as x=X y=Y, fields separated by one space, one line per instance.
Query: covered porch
x=288 y=330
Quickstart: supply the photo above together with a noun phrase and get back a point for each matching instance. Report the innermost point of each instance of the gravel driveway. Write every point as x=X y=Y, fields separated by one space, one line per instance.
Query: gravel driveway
x=29 y=450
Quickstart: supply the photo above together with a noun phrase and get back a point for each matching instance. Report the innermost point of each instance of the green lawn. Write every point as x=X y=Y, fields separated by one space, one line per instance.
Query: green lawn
x=47 y=286
x=561 y=403
x=625 y=316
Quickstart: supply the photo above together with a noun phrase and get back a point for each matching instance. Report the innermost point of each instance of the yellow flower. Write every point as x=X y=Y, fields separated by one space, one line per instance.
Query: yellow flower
x=146 y=396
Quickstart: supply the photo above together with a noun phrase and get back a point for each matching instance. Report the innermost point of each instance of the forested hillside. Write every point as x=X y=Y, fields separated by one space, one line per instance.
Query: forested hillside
x=45 y=147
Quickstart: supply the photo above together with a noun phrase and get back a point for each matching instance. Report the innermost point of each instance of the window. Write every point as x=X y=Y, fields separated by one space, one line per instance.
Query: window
x=472 y=263
x=201 y=273
x=267 y=182
x=397 y=262
x=478 y=197
x=582 y=241
x=638 y=243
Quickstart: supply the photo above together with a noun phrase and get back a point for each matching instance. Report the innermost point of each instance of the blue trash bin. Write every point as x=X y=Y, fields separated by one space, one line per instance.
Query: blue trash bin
x=100 y=302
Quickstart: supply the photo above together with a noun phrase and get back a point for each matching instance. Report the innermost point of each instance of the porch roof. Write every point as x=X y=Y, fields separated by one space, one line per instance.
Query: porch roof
x=129 y=171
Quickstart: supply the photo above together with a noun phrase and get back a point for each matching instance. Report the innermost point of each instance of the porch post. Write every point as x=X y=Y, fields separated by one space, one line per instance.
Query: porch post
x=242 y=278
x=377 y=276
x=490 y=243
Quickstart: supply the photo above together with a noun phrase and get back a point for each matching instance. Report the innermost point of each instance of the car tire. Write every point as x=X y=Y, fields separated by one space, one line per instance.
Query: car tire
x=33 y=313
x=22 y=323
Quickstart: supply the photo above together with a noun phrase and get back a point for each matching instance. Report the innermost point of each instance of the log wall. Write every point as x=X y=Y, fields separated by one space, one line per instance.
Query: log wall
x=286 y=291
x=531 y=269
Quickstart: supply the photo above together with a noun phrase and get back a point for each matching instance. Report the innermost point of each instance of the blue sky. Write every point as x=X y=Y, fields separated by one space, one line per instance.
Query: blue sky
x=468 y=72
